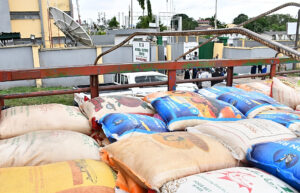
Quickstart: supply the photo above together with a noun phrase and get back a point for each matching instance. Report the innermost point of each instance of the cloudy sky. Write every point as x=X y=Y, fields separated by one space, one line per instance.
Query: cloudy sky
x=227 y=9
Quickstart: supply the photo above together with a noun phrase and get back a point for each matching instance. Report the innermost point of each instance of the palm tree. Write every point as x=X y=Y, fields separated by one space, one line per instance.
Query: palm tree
x=149 y=9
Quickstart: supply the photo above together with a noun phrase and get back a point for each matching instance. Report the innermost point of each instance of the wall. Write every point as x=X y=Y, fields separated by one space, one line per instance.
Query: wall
x=33 y=26
x=103 y=39
x=247 y=53
x=27 y=5
x=4 y=16
x=63 y=58
x=16 y=58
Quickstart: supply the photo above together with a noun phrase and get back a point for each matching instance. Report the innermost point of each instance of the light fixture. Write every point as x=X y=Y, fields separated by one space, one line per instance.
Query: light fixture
x=32 y=38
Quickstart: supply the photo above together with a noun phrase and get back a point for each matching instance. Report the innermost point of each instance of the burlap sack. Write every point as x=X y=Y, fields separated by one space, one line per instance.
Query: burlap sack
x=230 y=180
x=43 y=147
x=152 y=160
x=285 y=94
x=79 y=176
x=238 y=136
x=100 y=106
x=19 y=120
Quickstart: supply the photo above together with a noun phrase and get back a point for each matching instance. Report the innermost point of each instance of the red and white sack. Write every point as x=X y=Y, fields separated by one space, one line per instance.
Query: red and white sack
x=100 y=106
x=231 y=180
x=19 y=120
x=285 y=94
x=43 y=147
x=238 y=136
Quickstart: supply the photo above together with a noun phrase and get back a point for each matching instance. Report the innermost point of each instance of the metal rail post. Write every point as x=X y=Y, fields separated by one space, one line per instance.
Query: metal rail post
x=172 y=80
x=94 y=86
x=1 y=104
x=229 y=79
x=273 y=70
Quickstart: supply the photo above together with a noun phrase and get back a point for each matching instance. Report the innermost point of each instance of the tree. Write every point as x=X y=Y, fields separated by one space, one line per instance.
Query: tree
x=275 y=22
x=212 y=22
x=149 y=9
x=240 y=19
x=144 y=22
x=188 y=23
x=113 y=23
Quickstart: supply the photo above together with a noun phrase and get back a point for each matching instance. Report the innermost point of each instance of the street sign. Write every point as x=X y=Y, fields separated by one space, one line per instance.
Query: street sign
x=141 y=51
x=291 y=28
x=190 y=45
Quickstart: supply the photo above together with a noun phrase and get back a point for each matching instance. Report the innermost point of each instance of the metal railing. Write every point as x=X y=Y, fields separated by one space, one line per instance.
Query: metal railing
x=171 y=67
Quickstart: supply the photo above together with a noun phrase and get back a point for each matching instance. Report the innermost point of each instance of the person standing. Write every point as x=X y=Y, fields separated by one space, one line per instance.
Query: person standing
x=186 y=74
x=253 y=71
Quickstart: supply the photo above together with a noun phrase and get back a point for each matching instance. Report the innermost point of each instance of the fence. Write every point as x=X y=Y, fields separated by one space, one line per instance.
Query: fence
x=95 y=70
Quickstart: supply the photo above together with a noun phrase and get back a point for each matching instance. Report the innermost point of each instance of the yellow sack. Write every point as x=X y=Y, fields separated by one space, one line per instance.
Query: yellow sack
x=77 y=176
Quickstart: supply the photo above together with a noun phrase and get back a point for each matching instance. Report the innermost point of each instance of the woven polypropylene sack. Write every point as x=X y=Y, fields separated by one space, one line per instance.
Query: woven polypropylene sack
x=285 y=94
x=43 y=147
x=151 y=97
x=290 y=119
x=16 y=121
x=76 y=176
x=246 y=104
x=152 y=160
x=115 y=125
x=181 y=111
x=262 y=87
x=238 y=136
x=100 y=106
x=280 y=158
x=231 y=180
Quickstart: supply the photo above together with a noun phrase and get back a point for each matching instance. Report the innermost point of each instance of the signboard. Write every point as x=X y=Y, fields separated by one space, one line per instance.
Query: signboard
x=141 y=51
x=190 y=45
x=291 y=28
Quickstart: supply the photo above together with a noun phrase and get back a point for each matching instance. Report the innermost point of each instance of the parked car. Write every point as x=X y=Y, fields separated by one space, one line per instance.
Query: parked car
x=134 y=78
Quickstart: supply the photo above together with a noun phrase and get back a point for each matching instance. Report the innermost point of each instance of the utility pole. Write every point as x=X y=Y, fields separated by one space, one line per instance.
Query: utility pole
x=131 y=13
x=297 y=38
x=216 y=14
x=78 y=11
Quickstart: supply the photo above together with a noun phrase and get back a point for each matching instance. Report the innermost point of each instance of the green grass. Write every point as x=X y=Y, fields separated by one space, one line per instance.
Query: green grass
x=61 y=99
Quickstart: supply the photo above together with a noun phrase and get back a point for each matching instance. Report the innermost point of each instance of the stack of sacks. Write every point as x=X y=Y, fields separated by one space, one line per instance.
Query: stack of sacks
x=117 y=126
x=262 y=87
x=181 y=109
x=42 y=134
x=246 y=104
x=290 y=119
x=280 y=158
x=286 y=94
x=149 y=161
x=96 y=108
x=64 y=177
x=231 y=180
x=43 y=147
x=16 y=121
x=256 y=97
x=238 y=136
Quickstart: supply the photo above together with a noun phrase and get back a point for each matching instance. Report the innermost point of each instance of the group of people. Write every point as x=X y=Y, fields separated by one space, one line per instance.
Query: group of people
x=260 y=69
x=204 y=73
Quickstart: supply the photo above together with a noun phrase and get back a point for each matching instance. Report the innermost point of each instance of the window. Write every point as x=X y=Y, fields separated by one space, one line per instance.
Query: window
x=144 y=79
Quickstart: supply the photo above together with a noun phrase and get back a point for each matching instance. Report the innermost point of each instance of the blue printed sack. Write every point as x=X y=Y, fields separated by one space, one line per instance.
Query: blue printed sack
x=248 y=105
x=290 y=119
x=115 y=125
x=279 y=158
x=182 y=111
x=216 y=91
